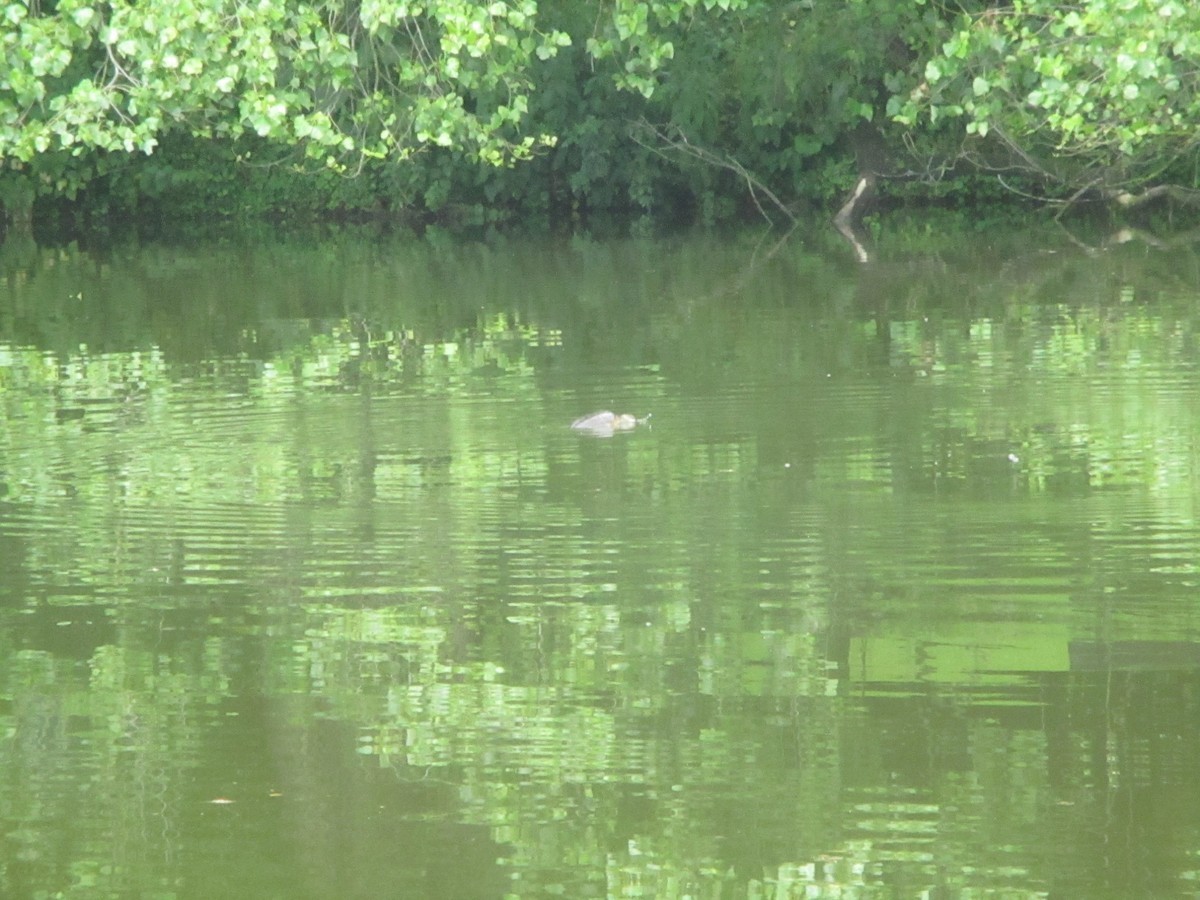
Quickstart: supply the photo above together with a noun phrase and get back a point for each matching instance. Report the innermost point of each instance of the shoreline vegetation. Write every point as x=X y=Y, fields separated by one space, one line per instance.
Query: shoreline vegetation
x=679 y=111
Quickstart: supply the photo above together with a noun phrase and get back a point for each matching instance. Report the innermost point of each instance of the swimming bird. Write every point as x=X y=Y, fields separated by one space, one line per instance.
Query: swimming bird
x=606 y=423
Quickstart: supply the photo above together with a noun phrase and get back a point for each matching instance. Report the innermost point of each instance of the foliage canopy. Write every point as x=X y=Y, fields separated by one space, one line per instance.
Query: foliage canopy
x=574 y=104
x=1100 y=95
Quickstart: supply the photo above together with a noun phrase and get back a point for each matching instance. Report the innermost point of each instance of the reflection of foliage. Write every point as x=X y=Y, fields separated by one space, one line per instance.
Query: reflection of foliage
x=121 y=743
x=355 y=505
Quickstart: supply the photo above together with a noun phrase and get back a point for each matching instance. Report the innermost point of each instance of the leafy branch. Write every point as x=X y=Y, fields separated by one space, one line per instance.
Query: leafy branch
x=670 y=140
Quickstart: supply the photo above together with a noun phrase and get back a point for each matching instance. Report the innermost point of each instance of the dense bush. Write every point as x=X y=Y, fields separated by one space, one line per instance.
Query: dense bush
x=712 y=108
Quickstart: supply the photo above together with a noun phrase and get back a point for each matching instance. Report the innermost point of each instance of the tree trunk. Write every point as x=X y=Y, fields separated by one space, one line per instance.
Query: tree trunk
x=16 y=200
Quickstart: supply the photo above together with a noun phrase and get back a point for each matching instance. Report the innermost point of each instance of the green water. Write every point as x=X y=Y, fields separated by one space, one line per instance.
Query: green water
x=308 y=590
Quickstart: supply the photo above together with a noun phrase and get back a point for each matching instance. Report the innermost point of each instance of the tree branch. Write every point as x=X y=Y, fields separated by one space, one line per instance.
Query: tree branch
x=676 y=141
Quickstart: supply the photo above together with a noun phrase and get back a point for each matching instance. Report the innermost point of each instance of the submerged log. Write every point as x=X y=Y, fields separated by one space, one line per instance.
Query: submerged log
x=851 y=212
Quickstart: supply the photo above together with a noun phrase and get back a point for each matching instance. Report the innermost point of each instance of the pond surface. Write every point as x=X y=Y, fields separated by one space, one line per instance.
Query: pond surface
x=308 y=589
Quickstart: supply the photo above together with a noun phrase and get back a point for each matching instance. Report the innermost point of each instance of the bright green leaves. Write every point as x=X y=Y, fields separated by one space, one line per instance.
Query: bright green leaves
x=772 y=84
x=267 y=114
x=545 y=50
x=1108 y=84
x=631 y=21
x=639 y=31
x=83 y=16
x=380 y=79
x=460 y=79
